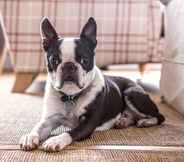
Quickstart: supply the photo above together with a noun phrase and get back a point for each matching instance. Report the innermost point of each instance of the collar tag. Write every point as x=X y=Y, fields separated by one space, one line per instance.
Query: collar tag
x=66 y=98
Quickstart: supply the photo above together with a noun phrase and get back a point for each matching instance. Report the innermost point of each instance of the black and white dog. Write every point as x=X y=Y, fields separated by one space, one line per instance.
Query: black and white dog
x=78 y=96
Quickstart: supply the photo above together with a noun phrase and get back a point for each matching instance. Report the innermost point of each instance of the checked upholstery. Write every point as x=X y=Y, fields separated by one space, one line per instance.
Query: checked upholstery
x=128 y=30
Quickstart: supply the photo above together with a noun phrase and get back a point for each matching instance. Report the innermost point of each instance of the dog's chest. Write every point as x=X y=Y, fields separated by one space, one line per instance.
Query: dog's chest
x=68 y=113
x=73 y=109
x=71 y=112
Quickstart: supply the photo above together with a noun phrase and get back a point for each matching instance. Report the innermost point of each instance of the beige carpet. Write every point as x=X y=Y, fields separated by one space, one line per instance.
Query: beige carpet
x=19 y=113
x=91 y=156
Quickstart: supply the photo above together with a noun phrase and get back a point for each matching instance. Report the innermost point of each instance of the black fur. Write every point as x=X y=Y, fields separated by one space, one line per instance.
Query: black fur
x=49 y=34
x=109 y=103
x=111 y=100
x=51 y=43
x=84 y=55
x=89 y=33
x=52 y=55
x=145 y=105
x=84 y=52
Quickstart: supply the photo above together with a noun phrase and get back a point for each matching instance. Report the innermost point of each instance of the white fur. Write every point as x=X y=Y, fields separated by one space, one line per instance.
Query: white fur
x=96 y=86
x=61 y=112
x=147 y=122
x=53 y=104
x=31 y=140
x=109 y=124
x=67 y=49
x=133 y=109
x=136 y=88
x=57 y=143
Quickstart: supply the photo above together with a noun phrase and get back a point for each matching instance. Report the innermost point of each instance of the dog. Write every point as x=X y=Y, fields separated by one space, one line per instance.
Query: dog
x=78 y=96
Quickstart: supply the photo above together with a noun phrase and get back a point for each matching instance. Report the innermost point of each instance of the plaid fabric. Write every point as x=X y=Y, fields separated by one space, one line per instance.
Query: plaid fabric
x=128 y=30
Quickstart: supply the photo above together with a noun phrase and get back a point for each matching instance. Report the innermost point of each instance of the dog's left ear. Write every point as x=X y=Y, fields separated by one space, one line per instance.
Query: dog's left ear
x=89 y=32
x=48 y=33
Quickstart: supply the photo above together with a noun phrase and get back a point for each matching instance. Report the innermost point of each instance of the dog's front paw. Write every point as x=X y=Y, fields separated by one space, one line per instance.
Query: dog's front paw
x=57 y=143
x=29 y=142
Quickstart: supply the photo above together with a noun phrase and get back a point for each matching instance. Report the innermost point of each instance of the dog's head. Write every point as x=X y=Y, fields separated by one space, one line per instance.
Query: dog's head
x=70 y=61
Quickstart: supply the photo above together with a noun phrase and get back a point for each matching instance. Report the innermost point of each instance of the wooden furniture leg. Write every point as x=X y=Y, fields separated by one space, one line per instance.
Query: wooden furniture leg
x=104 y=68
x=23 y=81
x=142 y=68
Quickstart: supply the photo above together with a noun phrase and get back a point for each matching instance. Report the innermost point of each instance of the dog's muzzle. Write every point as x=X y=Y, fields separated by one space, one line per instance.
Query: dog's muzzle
x=69 y=75
x=69 y=72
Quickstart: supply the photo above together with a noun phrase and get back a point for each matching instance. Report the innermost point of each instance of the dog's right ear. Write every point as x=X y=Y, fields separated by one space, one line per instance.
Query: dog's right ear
x=48 y=33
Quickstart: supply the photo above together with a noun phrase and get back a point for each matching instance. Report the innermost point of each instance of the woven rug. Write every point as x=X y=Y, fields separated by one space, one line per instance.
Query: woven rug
x=90 y=156
x=19 y=113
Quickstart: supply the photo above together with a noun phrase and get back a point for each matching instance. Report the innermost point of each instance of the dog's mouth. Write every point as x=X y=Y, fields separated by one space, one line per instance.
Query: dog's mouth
x=69 y=82
x=69 y=87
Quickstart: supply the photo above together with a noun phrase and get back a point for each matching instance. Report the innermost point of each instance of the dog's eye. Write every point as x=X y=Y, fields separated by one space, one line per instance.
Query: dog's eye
x=54 y=62
x=84 y=61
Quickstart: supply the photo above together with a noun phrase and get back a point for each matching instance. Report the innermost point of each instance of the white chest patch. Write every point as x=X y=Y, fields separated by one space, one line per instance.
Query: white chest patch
x=70 y=115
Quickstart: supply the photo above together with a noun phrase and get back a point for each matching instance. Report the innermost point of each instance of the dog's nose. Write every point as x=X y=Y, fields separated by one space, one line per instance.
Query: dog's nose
x=69 y=67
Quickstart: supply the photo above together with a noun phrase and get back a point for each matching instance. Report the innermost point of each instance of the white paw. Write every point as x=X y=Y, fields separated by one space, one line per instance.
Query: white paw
x=29 y=141
x=57 y=143
x=123 y=122
x=147 y=122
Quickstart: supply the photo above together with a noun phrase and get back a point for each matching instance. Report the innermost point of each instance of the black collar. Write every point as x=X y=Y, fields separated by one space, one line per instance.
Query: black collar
x=69 y=98
x=72 y=98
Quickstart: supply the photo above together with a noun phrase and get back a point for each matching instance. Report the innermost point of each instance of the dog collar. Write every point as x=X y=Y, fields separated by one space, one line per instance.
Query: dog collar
x=69 y=98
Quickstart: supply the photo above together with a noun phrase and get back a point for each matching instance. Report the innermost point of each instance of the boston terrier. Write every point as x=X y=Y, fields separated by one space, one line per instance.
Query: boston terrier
x=79 y=96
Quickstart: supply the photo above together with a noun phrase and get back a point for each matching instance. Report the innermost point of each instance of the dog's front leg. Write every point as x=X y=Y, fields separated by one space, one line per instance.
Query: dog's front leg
x=39 y=133
x=82 y=131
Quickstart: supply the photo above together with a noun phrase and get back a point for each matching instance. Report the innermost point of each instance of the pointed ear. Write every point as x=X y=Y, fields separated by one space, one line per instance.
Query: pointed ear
x=48 y=33
x=165 y=2
x=89 y=31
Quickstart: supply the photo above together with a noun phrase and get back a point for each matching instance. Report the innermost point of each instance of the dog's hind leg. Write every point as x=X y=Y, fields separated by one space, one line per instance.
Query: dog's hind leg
x=144 y=109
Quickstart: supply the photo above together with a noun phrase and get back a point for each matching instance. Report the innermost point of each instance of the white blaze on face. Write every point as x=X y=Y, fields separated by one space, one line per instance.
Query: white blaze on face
x=68 y=50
